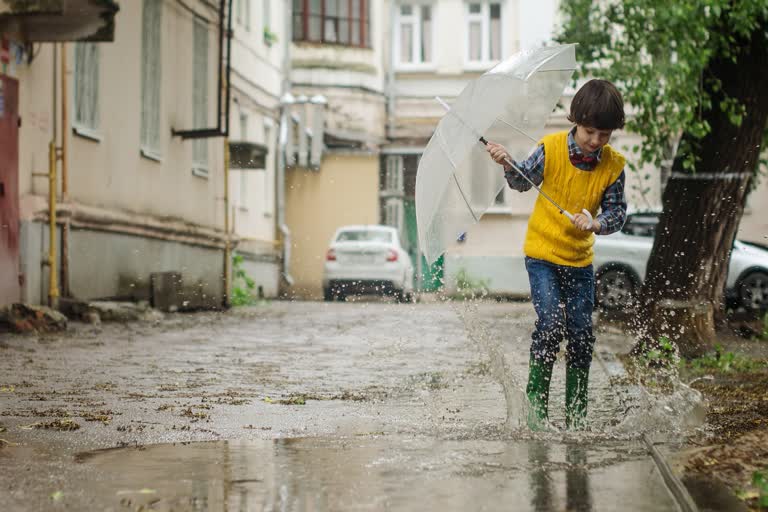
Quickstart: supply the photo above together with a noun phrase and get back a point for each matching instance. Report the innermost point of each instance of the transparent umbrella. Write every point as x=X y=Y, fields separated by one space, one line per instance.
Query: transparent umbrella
x=457 y=181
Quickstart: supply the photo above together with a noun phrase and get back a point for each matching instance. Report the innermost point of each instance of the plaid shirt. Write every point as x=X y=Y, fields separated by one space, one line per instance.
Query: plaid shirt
x=613 y=205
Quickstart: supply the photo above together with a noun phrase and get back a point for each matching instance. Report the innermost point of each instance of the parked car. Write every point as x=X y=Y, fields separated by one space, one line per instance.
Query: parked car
x=621 y=258
x=365 y=260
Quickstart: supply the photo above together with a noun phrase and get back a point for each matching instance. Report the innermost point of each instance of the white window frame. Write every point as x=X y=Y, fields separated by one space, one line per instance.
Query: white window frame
x=393 y=175
x=151 y=79
x=200 y=95
x=247 y=15
x=85 y=121
x=484 y=17
x=394 y=214
x=414 y=20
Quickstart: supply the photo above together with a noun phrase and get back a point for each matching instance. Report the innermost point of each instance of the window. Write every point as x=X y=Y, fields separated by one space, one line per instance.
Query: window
x=247 y=14
x=86 y=88
x=414 y=37
x=483 y=32
x=151 y=64
x=343 y=22
x=393 y=176
x=394 y=213
x=200 y=94
x=243 y=127
x=243 y=201
x=266 y=14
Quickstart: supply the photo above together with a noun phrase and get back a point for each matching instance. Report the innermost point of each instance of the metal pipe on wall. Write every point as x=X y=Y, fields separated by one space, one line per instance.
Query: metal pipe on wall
x=227 y=244
x=64 y=173
x=286 y=100
x=53 y=284
x=225 y=83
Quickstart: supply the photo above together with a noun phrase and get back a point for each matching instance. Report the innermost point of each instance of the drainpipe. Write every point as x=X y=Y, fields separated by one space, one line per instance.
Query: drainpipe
x=53 y=287
x=286 y=100
x=391 y=72
x=64 y=173
x=227 y=245
x=285 y=233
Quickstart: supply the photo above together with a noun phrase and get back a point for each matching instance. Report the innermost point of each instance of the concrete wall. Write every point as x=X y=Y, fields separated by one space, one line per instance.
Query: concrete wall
x=344 y=191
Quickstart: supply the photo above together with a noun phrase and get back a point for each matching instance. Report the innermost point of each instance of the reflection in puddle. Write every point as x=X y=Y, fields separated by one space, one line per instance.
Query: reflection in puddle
x=372 y=473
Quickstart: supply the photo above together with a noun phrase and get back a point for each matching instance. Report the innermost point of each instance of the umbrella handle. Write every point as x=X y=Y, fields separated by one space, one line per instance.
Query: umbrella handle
x=584 y=211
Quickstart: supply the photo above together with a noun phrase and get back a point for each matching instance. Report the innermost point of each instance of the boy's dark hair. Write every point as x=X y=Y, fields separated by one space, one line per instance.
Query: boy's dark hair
x=598 y=104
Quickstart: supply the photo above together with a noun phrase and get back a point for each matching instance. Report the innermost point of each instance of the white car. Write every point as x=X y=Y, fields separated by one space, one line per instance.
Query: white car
x=367 y=260
x=621 y=258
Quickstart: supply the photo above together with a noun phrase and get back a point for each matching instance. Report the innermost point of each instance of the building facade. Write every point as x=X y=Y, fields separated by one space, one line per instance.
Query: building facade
x=338 y=53
x=437 y=49
x=135 y=199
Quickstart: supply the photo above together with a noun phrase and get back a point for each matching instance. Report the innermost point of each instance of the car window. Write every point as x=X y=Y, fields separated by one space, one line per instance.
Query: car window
x=367 y=235
x=641 y=225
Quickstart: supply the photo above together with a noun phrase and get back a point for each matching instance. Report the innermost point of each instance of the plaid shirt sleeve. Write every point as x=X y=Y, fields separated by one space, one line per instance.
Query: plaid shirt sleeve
x=532 y=167
x=613 y=207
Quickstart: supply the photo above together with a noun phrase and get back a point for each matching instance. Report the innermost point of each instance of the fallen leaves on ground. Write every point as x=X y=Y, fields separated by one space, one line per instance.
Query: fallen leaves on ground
x=60 y=425
x=734 y=463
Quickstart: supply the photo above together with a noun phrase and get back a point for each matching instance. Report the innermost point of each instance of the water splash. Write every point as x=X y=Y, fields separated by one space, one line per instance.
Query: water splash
x=501 y=370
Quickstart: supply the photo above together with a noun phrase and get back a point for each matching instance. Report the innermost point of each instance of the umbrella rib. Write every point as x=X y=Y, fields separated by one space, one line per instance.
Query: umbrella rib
x=456 y=180
x=517 y=129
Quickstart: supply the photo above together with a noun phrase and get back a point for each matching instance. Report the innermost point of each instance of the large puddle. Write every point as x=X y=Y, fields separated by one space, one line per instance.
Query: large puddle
x=371 y=473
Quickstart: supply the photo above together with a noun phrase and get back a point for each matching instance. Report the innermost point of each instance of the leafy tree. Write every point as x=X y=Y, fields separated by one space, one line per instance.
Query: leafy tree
x=694 y=75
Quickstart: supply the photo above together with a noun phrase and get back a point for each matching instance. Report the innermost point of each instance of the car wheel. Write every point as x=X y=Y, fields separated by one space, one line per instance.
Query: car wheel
x=615 y=288
x=753 y=291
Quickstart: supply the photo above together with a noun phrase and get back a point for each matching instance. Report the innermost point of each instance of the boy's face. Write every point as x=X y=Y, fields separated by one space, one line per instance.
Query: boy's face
x=591 y=139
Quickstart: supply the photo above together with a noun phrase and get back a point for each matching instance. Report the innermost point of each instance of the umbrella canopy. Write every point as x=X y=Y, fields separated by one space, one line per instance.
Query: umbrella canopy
x=457 y=181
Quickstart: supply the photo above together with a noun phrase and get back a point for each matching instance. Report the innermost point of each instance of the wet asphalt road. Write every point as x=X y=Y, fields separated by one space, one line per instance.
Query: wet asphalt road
x=306 y=406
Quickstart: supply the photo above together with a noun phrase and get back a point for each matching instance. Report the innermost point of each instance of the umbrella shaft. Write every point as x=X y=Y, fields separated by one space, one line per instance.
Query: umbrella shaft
x=521 y=173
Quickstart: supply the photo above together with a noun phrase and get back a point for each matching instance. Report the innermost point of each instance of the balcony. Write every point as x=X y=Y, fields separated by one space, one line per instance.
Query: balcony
x=58 y=20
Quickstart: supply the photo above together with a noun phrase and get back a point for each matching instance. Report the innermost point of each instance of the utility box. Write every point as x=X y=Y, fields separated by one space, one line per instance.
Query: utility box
x=165 y=291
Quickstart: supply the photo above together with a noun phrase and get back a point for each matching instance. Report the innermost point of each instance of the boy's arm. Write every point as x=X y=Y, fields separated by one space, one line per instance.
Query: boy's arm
x=613 y=207
x=532 y=167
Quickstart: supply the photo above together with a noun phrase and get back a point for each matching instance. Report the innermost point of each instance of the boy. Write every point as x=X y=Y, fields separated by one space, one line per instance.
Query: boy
x=578 y=170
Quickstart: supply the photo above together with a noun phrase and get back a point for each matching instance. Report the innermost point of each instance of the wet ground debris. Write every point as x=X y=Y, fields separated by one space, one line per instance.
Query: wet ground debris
x=189 y=413
x=25 y=318
x=741 y=464
x=291 y=400
x=60 y=425
x=301 y=399
x=739 y=402
x=5 y=442
x=103 y=416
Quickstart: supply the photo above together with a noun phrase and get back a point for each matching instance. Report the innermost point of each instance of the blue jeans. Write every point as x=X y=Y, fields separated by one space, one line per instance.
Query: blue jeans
x=563 y=298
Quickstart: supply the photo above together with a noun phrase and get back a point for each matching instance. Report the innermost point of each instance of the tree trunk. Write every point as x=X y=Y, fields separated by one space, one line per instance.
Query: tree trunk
x=682 y=295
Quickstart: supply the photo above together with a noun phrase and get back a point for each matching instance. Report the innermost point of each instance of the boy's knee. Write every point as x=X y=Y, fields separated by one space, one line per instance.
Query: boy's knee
x=578 y=353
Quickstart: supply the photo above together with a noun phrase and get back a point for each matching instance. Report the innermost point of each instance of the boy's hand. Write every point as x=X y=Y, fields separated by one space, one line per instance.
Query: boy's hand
x=583 y=223
x=498 y=153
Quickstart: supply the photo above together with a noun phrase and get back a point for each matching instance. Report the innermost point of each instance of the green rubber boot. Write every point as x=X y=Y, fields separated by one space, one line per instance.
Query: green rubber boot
x=576 y=397
x=539 y=377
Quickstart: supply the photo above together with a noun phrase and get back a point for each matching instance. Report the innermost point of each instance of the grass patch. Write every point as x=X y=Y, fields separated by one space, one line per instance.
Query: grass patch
x=725 y=362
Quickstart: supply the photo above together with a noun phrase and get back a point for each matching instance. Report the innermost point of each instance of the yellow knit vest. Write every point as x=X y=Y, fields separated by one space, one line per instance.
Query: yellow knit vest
x=551 y=236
